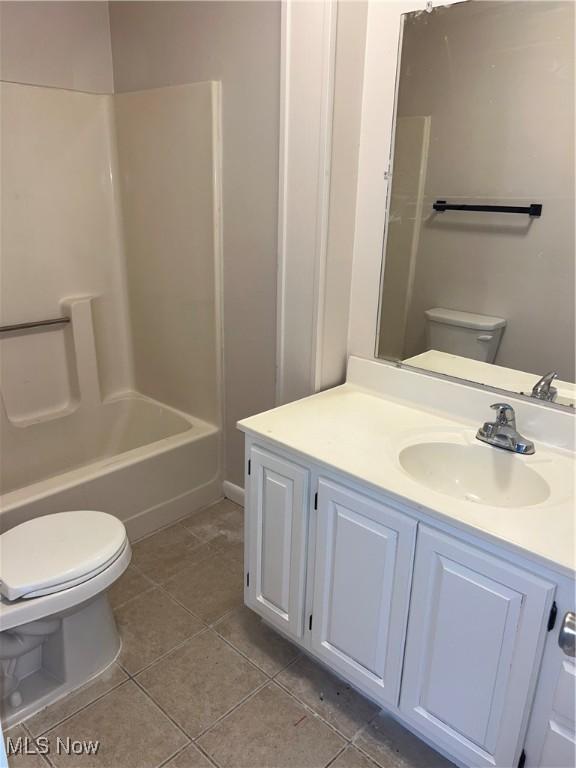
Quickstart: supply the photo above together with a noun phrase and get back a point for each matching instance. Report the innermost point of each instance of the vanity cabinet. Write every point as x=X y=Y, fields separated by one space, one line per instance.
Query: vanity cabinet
x=445 y=632
x=362 y=574
x=551 y=739
x=276 y=536
x=475 y=632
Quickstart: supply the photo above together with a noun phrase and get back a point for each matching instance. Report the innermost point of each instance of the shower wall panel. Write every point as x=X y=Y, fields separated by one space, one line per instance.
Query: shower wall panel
x=167 y=149
x=60 y=240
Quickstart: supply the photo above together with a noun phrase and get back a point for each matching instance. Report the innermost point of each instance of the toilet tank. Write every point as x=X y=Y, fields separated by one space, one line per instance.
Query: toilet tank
x=464 y=333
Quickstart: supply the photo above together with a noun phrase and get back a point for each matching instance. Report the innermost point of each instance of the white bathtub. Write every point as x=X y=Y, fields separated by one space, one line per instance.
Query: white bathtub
x=138 y=459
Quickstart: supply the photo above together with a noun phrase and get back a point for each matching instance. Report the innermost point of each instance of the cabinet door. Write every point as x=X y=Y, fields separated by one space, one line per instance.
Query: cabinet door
x=277 y=524
x=559 y=748
x=475 y=637
x=551 y=737
x=363 y=567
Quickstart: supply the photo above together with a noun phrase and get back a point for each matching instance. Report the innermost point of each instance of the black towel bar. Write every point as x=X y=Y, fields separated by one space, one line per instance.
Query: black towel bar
x=534 y=209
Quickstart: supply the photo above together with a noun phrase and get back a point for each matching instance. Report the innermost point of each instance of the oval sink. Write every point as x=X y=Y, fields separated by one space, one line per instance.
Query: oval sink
x=475 y=473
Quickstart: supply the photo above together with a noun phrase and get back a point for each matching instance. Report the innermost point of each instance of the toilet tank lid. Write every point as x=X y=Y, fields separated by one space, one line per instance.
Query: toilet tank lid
x=465 y=319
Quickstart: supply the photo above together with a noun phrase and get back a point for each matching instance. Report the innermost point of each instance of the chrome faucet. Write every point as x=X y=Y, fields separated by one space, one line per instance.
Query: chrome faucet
x=543 y=389
x=502 y=432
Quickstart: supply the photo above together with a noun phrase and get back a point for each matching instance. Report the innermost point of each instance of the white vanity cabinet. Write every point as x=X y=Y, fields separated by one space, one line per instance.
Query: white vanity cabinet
x=551 y=739
x=443 y=631
x=475 y=638
x=362 y=574
x=276 y=540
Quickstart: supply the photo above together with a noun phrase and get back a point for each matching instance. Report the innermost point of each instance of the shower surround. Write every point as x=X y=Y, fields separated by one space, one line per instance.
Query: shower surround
x=110 y=214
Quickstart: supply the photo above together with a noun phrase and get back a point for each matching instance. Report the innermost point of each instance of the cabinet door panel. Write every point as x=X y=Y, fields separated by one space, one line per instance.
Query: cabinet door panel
x=361 y=588
x=474 y=643
x=277 y=529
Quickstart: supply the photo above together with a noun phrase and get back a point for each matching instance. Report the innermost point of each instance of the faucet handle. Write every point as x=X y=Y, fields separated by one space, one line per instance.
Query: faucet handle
x=505 y=415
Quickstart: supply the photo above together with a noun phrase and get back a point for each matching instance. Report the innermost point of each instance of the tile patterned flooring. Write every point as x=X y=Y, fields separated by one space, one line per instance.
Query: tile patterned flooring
x=202 y=682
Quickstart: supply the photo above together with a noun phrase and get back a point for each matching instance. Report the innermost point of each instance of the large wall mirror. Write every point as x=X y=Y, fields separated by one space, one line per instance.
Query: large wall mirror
x=478 y=272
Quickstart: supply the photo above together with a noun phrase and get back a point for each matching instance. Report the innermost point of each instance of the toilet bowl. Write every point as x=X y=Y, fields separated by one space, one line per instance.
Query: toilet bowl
x=56 y=626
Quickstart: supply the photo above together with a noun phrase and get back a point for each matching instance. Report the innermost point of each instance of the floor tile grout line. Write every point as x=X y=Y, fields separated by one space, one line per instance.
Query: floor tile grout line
x=164 y=654
x=229 y=712
x=313 y=711
x=177 y=524
x=225 y=615
x=34 y=739
x=134 y=597
x=196 y=746
x=186 y=517
x=161 y=709
x=364 y=728
x=48 y=761
x=369 y=757
x=270 y=678
x=214 y=628
x=93 y=701
x=80 y=709
x=230 y=559
x=205 y=626
x=337 y=755
x=171 y=756
x=194 y=739
x=175 y=599
x=200 y=543
x=201 y=749
x=295 y=696
x=180 y=523
x=271 y=683
x=244 y=656
x=287 y=666
x=184 y=642
x=162 y=584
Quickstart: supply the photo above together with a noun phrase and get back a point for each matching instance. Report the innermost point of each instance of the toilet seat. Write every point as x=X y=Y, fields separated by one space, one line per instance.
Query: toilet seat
x=55 y=552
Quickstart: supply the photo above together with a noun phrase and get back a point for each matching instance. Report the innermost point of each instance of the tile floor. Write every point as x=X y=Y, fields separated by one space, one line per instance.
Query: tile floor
x=202 y=682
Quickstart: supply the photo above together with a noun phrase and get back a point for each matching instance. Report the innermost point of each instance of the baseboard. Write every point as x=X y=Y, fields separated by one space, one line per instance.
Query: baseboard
x=233 y=492
x=169 y=512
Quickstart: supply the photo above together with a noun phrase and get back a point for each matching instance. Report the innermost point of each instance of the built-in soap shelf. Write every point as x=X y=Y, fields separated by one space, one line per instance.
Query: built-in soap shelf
x=50 y=371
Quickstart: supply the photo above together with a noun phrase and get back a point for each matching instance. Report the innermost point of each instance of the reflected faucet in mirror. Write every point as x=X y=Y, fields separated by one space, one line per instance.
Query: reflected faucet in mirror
x=543 y=389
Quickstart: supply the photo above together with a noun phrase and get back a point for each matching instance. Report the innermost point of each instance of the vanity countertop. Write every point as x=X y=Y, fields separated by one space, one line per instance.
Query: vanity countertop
x=361 y=433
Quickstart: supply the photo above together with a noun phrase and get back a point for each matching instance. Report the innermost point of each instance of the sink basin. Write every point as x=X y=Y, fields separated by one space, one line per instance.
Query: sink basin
x=476 y=473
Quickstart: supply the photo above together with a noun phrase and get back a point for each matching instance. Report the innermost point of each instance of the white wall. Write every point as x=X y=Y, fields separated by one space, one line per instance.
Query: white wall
x=348 y=76
x=58 y=44
x=158 y=43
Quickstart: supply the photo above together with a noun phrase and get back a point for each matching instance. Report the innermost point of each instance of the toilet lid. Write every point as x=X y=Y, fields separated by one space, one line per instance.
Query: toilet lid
x=54 y=552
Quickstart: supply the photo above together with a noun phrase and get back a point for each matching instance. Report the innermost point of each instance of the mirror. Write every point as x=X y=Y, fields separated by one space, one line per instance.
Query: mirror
x=478 y=271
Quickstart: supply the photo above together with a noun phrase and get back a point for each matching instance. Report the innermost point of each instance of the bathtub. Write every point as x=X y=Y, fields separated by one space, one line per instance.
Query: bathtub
x=131 y=456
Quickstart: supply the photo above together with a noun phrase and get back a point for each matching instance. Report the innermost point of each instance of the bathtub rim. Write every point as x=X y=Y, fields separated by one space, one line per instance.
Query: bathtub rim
x=43 y=489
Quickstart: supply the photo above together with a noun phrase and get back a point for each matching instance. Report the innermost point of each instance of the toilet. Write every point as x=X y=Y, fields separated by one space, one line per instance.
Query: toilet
x=57 y=629
x=464 y=333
